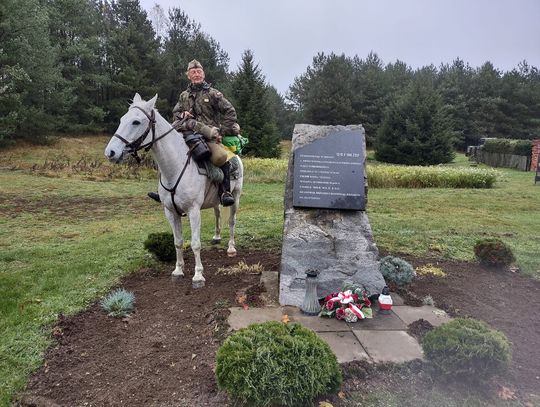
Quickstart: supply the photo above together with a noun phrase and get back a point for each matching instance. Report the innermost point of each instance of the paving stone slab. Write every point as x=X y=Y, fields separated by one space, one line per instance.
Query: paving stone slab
x=389 y=346
x=241 y=318
x=431 y=314
x=345 y=345
x=380 y=322
x=315 y=323
x=397 y=299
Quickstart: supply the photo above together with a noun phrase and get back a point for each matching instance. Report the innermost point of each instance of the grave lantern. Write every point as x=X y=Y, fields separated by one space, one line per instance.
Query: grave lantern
x=311 y=305
x=385 y=301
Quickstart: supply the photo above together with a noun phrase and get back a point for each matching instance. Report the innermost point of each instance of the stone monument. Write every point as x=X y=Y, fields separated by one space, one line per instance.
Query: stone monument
x=326 y=227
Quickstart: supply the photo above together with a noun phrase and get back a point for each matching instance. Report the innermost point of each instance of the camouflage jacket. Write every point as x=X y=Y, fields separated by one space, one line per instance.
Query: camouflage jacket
x=209 y=106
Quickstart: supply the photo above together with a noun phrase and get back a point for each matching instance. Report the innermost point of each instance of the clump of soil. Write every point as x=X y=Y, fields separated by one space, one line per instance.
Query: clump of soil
x=419 y=329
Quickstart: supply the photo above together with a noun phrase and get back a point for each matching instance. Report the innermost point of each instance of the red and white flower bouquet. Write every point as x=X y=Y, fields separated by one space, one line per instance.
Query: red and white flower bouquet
x=350 y=305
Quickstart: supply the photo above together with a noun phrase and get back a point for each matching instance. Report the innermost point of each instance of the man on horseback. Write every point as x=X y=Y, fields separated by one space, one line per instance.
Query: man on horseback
x=206 y=105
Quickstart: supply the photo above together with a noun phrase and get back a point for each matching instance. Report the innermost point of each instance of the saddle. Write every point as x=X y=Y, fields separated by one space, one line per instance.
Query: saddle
x=214 y=173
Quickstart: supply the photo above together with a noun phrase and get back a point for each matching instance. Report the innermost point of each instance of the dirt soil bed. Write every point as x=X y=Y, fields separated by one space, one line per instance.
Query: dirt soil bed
x=164 y=353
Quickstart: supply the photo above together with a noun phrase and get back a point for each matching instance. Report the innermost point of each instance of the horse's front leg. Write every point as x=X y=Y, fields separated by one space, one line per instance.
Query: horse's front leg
x=217 y=231
x=231 y=250
x=195 y=222
x=176 y=226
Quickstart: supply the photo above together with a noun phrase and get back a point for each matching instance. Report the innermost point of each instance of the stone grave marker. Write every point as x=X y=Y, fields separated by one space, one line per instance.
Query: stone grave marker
x=326 y=227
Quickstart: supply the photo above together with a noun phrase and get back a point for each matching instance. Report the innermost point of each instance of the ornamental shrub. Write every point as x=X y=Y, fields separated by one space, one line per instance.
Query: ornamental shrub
x=161 y=245
x=276 y=364
x=467 y=347
x=493 y=252
x=118 y=303
x=396 y=270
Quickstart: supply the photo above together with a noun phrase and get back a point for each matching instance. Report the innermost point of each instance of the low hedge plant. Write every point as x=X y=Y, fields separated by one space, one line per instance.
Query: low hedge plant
x=161 y=245
x=274 y=363
x=467 y=348
x=401 y=176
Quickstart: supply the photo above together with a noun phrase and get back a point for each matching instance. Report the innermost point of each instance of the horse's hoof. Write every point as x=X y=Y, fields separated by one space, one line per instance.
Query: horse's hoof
x=231 y=254
x=197 y=284
x=216 y=241
x=176 y=279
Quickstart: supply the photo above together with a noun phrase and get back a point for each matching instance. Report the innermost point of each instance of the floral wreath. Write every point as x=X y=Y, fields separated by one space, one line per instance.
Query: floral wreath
x=350 y=305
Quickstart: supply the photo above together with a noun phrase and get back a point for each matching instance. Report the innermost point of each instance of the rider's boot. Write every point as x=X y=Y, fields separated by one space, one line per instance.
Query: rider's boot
x=154 y=196
x=225 y=195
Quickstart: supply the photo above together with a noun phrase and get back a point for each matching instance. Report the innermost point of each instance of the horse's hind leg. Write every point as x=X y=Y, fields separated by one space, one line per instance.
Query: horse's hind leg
x=176 y=226
x=217 y=234
x=195 y=222
x=231 y=250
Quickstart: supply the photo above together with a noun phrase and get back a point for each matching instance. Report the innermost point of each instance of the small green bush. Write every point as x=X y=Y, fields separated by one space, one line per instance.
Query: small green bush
x=467 y=347
x=396 y=270
x=276 y=364
x=161 y=245
x=493 y=252
x=118 y=303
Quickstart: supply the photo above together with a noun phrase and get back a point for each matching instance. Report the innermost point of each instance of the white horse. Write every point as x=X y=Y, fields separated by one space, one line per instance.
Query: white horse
x=181 y=187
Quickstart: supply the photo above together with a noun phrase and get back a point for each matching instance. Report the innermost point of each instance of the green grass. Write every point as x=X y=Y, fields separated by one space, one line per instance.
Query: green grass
x=68 y=236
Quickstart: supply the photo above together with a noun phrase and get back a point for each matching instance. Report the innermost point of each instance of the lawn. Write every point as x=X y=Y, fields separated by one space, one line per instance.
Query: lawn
x=71 y=225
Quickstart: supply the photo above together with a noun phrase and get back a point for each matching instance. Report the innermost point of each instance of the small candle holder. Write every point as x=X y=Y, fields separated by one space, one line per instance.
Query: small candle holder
x=385 y=301
x=311 y=305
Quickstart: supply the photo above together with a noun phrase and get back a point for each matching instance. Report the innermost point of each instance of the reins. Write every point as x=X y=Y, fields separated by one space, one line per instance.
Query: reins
x=137 y=145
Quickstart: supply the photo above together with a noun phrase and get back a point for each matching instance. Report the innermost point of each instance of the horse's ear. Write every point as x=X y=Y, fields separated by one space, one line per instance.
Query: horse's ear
x=137 y=98
x=152 y=102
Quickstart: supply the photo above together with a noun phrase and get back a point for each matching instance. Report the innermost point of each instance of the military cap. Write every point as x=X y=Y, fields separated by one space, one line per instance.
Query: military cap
x=194 y=64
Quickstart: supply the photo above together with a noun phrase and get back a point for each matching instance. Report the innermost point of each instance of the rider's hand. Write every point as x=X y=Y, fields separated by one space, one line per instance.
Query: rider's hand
x=186 y=115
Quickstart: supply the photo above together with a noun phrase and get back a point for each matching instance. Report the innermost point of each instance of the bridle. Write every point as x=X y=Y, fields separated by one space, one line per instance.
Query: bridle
x=137 y=144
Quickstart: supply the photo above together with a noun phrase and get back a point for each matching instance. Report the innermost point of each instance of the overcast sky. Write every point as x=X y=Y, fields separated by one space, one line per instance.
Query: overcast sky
x=285 y=35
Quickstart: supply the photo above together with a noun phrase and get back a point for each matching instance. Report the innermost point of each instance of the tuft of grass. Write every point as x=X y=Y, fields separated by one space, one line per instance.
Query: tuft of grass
x=428 y=300
x=119 y=303
x=265 y=170
x=241 y=268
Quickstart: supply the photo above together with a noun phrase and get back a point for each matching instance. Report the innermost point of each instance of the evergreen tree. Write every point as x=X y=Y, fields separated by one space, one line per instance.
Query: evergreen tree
x=29 y=74
x=74 y=31
x=414 y=130
x=455 y=83
x=520 y=102
x=251 y=100
x=131 y=58
x=284 y=115
x=369 y=99
x=325 y=93
x=485 y=102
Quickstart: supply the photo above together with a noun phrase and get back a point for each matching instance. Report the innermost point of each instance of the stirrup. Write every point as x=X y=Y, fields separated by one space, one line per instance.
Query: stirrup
x=154 y=196
x=227 y=199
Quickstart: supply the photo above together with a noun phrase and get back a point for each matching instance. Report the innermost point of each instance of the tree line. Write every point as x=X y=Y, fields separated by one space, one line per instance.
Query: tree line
x=72 y=66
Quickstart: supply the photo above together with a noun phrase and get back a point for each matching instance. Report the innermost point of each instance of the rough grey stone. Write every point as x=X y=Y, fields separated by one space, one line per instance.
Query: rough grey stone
x=338 y=243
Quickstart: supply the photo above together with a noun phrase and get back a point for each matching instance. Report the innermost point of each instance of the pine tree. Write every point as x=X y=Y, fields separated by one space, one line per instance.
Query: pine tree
x=414 y=130
x=325 y=93
x=29 y=75
x=250 y=98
